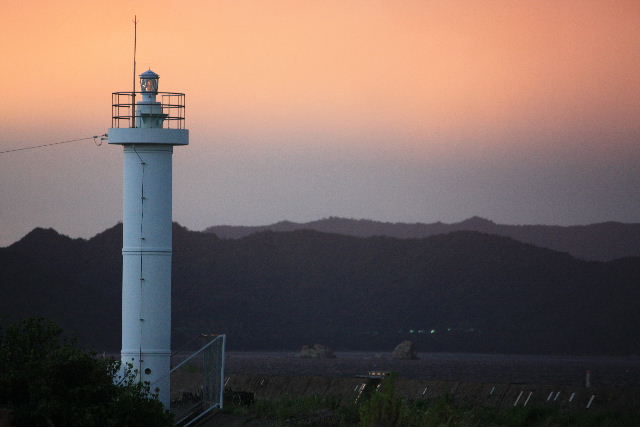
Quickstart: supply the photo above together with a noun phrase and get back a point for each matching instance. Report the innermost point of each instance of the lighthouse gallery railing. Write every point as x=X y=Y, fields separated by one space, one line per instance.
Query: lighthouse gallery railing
x=123 y=111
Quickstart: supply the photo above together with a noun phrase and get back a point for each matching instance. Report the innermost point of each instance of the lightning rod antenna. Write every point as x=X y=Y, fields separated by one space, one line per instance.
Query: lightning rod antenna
x=133 y=89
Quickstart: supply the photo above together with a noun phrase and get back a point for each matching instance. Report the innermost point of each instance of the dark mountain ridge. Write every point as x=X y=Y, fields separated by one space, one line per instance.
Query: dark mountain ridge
x=462 y=291
x=600 y=242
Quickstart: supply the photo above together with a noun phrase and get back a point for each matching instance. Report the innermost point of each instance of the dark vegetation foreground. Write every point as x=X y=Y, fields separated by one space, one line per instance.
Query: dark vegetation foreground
x=385 y=408
x=47 y=381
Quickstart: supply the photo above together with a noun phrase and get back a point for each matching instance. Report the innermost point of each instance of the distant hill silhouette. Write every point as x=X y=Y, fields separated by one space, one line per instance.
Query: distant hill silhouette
x=599 y=242
x=462 y=291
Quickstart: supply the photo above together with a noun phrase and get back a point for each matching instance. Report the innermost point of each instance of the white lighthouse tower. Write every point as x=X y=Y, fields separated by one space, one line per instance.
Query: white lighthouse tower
x=148 y=130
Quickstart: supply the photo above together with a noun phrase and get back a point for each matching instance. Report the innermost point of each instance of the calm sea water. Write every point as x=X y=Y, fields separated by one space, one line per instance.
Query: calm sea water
x=499 y=368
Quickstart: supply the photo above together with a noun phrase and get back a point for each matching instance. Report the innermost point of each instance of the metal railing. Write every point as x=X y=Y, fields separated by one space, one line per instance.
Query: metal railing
x=197 y=383
x=123 y=109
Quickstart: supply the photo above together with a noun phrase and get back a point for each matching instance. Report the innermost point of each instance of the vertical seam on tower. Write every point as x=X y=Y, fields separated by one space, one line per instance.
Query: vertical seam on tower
x=141 y=279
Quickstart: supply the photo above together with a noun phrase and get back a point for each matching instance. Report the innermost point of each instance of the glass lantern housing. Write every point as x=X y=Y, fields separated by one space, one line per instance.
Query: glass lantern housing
x=149 y=82
x=149 y=85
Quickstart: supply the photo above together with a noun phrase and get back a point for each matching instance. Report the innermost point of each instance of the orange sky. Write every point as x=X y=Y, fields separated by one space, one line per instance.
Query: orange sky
x=412 y=80
x=427 y=67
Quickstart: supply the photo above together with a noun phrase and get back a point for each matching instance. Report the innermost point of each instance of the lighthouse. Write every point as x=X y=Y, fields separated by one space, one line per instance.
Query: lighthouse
x=147 y=124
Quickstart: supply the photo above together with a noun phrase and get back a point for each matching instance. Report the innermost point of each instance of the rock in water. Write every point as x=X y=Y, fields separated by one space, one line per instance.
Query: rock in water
x=405 y=350
x=317 y=351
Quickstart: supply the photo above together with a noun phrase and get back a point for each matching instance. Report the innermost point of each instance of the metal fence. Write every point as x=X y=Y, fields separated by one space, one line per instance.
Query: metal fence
x=123 y=107
x=197 y=382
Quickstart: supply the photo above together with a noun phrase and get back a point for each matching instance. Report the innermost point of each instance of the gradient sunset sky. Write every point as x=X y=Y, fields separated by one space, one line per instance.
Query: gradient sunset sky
x=517 y=111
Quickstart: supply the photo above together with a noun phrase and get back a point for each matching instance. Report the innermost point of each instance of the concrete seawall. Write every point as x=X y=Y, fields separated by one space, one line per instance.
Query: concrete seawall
x=270 y=387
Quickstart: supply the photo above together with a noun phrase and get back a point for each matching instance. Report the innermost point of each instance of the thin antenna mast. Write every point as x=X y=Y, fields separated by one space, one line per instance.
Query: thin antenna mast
x=133 y=90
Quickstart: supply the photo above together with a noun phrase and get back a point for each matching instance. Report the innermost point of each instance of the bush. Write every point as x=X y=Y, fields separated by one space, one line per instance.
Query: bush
x=384 y=408
x=47 y=381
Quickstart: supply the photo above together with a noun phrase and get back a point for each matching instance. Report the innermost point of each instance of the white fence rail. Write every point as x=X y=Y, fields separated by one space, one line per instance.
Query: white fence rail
x=197 y=383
